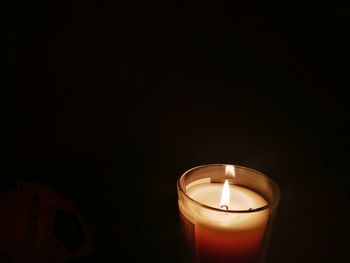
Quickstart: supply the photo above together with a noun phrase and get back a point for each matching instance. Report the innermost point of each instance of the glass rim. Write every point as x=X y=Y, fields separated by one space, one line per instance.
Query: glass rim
x=258 y=209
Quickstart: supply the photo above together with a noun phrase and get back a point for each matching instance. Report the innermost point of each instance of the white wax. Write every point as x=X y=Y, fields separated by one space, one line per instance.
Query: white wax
x=240 y=199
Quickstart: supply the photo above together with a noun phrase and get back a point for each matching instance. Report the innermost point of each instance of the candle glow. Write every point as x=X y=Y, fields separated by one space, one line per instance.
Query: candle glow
x=225 y=196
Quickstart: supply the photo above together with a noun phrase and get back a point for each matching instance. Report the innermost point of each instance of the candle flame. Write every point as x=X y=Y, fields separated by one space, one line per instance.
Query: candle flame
x=225 y=196
x=230 y=171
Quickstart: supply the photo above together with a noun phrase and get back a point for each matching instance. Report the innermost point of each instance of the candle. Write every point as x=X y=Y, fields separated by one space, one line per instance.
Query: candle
x=221 y=236
x=223 y=221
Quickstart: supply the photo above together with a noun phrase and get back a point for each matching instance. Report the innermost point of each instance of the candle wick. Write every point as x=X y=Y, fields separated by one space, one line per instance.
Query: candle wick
x=224 y=206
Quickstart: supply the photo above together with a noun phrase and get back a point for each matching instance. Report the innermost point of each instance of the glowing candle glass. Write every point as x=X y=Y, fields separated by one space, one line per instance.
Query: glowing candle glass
x=226 y=214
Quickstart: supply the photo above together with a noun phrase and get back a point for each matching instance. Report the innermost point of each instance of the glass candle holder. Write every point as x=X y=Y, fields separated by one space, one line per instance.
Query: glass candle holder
x=226 y=213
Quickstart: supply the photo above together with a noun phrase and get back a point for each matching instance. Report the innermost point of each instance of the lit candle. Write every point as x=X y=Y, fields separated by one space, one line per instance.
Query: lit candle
x=223 y=222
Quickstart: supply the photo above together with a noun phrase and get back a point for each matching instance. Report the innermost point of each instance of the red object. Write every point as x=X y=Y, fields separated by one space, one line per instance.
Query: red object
x=39 y=225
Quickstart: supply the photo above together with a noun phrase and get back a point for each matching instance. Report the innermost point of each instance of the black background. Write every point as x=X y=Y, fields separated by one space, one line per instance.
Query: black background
x=115 y=101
